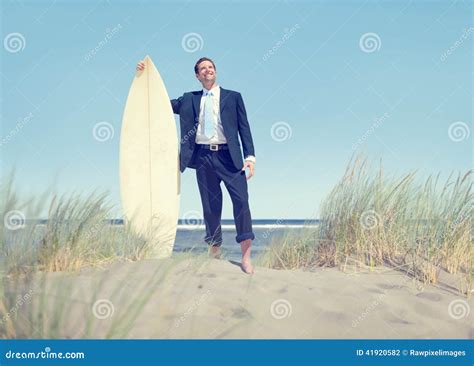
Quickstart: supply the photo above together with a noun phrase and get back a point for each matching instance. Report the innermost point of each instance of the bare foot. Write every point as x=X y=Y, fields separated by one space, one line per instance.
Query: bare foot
x=215 y=252
x=245 y=265
x=247 y=268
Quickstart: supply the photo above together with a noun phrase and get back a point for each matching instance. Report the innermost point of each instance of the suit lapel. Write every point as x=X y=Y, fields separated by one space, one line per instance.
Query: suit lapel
x=197 y=106
x=224 y=95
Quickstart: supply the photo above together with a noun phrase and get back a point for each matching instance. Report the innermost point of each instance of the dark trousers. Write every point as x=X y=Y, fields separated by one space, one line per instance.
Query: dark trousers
x=212 y=168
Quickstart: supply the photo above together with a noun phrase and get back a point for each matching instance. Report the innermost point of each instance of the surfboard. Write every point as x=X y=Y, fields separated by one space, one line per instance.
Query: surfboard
x=149 y=163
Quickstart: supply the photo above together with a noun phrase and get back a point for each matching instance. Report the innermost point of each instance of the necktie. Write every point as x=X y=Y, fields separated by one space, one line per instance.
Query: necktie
x=209 y=120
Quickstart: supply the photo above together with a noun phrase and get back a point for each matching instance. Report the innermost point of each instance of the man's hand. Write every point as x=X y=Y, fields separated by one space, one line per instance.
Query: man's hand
x=251 y=166
x=140 y=66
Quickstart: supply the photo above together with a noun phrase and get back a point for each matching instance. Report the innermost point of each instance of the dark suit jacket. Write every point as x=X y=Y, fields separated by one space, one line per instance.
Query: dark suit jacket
x=234 y=123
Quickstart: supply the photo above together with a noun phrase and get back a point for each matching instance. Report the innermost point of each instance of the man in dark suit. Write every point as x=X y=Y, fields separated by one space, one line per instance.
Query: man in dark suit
x=211 y=120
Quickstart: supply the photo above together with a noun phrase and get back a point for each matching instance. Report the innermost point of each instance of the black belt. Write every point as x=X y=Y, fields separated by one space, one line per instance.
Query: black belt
x=214 y=147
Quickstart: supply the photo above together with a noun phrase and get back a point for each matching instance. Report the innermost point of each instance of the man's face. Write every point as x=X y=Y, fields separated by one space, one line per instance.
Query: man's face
x=206 y=72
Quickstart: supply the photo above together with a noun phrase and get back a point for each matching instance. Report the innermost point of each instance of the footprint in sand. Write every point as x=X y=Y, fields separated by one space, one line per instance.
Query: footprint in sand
x=335 y=316
x=430 y=296
x=391 y=318
x=375 y=291
x=283 y=290
x=240 y=313
x=388 y=286
x=427 y=311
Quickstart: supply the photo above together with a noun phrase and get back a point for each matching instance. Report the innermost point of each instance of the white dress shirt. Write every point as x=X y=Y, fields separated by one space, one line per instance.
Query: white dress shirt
x=218 y=137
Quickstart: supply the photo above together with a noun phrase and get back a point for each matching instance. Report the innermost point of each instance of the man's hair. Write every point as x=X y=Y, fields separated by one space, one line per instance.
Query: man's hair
x=196 y=67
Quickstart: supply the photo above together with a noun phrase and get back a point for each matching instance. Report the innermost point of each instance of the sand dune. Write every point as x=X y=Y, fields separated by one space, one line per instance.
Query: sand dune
x=201 y=298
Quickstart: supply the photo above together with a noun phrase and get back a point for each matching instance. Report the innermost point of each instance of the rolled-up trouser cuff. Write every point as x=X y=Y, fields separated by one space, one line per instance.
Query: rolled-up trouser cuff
x=244 y=236
x=214 y=243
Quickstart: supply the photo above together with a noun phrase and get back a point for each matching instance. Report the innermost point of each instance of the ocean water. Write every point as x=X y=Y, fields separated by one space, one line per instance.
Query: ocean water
x=190 y=236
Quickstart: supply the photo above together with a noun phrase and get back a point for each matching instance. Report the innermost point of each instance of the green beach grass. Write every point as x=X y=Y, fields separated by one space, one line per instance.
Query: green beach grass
x=370 y=220
x=77 y=235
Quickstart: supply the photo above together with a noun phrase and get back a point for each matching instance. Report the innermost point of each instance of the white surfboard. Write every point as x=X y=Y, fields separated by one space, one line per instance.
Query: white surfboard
x=149 y=162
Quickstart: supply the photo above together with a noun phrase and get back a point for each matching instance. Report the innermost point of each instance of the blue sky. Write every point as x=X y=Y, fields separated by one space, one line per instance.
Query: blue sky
x=321 y=80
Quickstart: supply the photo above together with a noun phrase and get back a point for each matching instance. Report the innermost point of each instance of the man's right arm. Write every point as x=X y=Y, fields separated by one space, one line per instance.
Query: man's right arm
x=176 y=104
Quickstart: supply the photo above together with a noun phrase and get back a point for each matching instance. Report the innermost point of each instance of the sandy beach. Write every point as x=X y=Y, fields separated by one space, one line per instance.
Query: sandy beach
x=196 y=297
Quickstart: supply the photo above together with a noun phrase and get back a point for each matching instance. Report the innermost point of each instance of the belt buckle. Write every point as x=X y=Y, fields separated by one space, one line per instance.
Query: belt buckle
x=214 y=147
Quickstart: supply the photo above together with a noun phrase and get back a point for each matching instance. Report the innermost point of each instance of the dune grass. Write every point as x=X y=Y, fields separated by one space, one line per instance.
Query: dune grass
x=370 y=220
x=375 y=220
x=76 y=236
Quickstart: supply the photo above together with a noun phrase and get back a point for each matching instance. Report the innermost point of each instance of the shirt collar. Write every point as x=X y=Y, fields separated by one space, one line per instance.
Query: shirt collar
x=215 y=90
